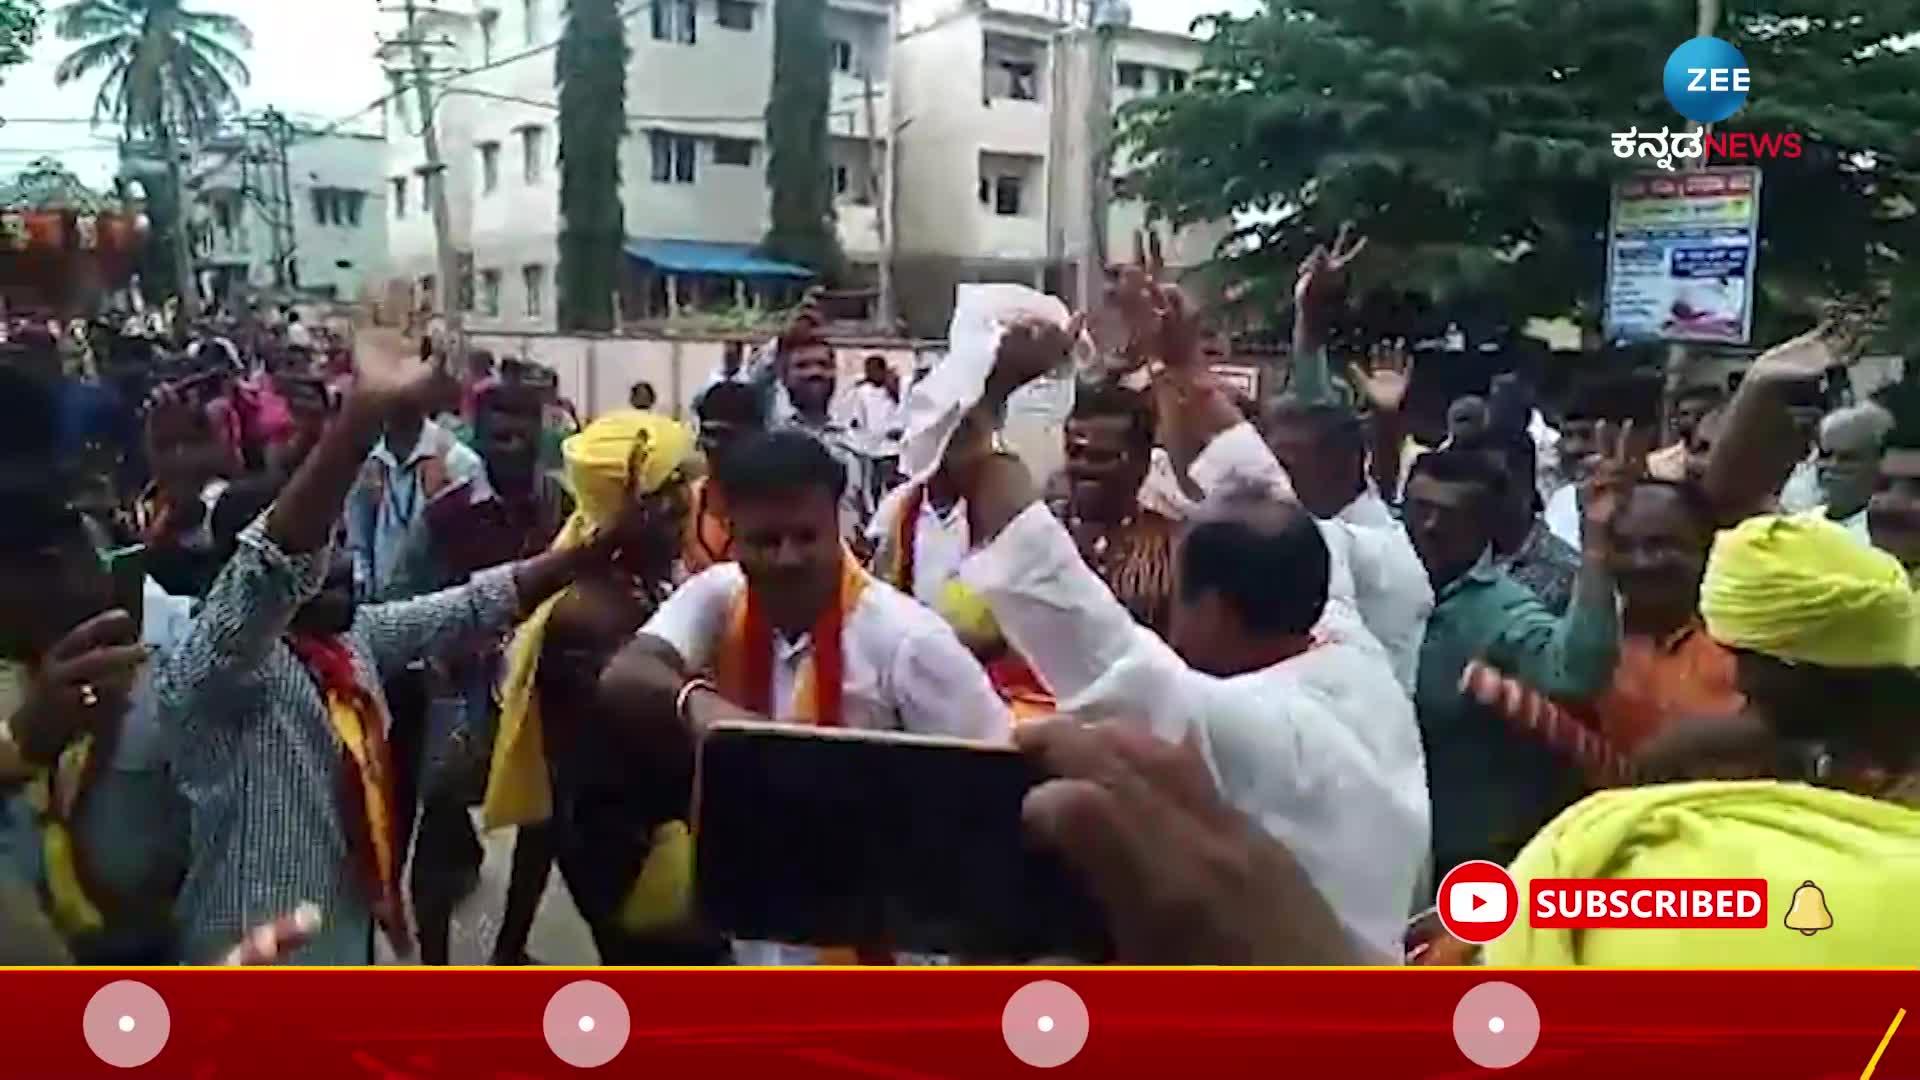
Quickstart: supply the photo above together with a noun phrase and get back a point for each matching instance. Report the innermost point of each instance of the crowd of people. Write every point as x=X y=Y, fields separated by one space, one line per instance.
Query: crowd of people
x=279 y=642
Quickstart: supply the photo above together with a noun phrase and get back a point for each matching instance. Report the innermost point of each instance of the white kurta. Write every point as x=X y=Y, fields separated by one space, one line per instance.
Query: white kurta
x=905 y=671
x=1321 y=750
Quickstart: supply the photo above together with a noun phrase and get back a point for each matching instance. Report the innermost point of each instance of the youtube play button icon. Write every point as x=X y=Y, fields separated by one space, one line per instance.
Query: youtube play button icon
x=1477 y=901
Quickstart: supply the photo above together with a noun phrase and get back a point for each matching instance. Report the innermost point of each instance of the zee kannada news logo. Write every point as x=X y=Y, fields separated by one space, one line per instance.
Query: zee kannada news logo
x=1706 y=80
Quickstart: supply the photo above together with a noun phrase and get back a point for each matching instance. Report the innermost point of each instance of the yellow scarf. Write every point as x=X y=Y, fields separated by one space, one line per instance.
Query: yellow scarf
x=609 y=462
x=1803 y=589
x=55 y=798
x=1860 y=852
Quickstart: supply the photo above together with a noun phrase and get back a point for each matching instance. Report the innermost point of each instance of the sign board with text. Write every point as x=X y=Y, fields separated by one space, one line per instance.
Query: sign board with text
x=1681 y=249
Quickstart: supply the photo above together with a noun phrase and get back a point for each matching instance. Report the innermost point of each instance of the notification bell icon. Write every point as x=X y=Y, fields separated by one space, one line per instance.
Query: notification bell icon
x=1808 y=913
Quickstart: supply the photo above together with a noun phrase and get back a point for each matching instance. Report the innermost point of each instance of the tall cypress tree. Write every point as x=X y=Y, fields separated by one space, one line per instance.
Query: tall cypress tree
x=799 y=167
x=592 y=73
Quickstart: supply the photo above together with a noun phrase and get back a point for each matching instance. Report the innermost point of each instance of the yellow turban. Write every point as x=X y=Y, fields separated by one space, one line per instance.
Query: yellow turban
x=616 y=457
x=1859 y=851
x=1805 y=589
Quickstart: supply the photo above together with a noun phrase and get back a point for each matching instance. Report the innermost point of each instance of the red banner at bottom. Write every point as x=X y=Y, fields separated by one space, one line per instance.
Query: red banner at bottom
x=912 y=1024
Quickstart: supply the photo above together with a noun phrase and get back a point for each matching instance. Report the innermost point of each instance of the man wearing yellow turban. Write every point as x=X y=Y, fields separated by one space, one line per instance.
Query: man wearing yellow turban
x=607 y=806
x=1821 y=627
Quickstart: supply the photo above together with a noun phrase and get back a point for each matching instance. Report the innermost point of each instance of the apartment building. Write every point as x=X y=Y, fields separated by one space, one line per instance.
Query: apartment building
x=693 y=164
x=996 y=148
x=314 y=223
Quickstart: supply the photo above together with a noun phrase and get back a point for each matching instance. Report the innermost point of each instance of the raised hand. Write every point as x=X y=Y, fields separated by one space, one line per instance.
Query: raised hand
x=1029 y=349
x=1617 y=468
x=1322 y=284
x=1802 y=359
x=1386 y=377
x=1143 y=318
x=389 y=370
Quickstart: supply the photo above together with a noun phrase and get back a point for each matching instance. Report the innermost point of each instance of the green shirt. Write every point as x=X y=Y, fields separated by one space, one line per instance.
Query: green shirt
x=1493 y=787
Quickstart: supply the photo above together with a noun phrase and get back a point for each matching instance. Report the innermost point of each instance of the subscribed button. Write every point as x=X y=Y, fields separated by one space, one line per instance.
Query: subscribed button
x=1045 y=1024
x=586 y=1024
x=126 y=1024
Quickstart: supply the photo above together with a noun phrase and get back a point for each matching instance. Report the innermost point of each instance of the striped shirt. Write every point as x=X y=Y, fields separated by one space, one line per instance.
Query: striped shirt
x=255 y=754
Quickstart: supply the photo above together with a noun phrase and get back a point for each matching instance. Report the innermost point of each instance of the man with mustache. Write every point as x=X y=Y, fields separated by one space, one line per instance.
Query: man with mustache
x=795 y=631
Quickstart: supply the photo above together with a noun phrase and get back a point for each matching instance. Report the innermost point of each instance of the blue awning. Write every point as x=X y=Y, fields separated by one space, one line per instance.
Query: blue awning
x=701 y=257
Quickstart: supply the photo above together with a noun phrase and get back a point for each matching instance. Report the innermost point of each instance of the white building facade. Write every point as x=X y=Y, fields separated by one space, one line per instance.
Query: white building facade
x=316 y=226
x=970 y=139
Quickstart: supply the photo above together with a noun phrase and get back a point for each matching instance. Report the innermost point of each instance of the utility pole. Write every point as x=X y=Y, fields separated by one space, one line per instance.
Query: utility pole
x=880 y=191
x=1107 y=18
x=189 y=293
x=446 y=260
x=1706 y=21
x=280 y=135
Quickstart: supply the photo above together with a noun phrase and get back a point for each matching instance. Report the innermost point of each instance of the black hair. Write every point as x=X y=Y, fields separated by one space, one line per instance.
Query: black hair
x=770 y=465
x=1693 y=501
x=1902 y=401
x=1092 y=401
x=1517 y=455
x=1336 y=428
x=29 y=419
x=35 y=514
x=1462 y=465
x=1270 y=565
x=244 y=501
x=734 y=403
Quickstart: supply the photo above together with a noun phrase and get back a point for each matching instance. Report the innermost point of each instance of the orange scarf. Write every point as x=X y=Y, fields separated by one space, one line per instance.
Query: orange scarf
x=745 y=661
x=1026 y=696
x=367 y=812
x=707 y=540
x=745 y=675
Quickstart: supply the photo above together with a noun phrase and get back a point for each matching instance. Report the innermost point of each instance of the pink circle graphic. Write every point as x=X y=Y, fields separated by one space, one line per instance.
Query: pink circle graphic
x=1045 y=1024
x=1496 y=1025
x=126 y=1024
x=586 y=1024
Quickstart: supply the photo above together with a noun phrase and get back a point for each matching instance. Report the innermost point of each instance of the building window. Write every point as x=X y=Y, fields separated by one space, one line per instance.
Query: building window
x=533 y=277
x=735 y=15
x=337 y=206
x=489 y=22
x=1132 y=76
x=842 y=180
x=673 y=20
x=842 y=50
x=1006 y=196
x=672 y=157
x=399 y=198
x=1012 y=68
x=1003 y=182
x=533 y=143
x=489 y=293
x=427 y=181
x=530 y=12
x=489 y=167
x=733 y=152
x=1172 y=81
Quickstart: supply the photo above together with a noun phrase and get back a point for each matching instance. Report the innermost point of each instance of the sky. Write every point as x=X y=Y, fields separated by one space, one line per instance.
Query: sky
x=314 y=61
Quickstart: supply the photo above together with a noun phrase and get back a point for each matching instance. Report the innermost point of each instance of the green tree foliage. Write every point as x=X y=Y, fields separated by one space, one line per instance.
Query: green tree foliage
x=19 y=23
x=592 y=73
x=799 y=167
x=164 y=70
x=1470 y=140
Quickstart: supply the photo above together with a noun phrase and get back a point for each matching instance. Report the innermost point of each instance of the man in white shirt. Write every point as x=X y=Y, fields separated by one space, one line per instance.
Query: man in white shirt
x=899 y=666
x=1849 y=461
x=1309 y=735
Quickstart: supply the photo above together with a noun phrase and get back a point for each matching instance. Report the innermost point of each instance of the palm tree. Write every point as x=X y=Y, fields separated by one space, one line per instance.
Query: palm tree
x=167 y=72
x=592 y=71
